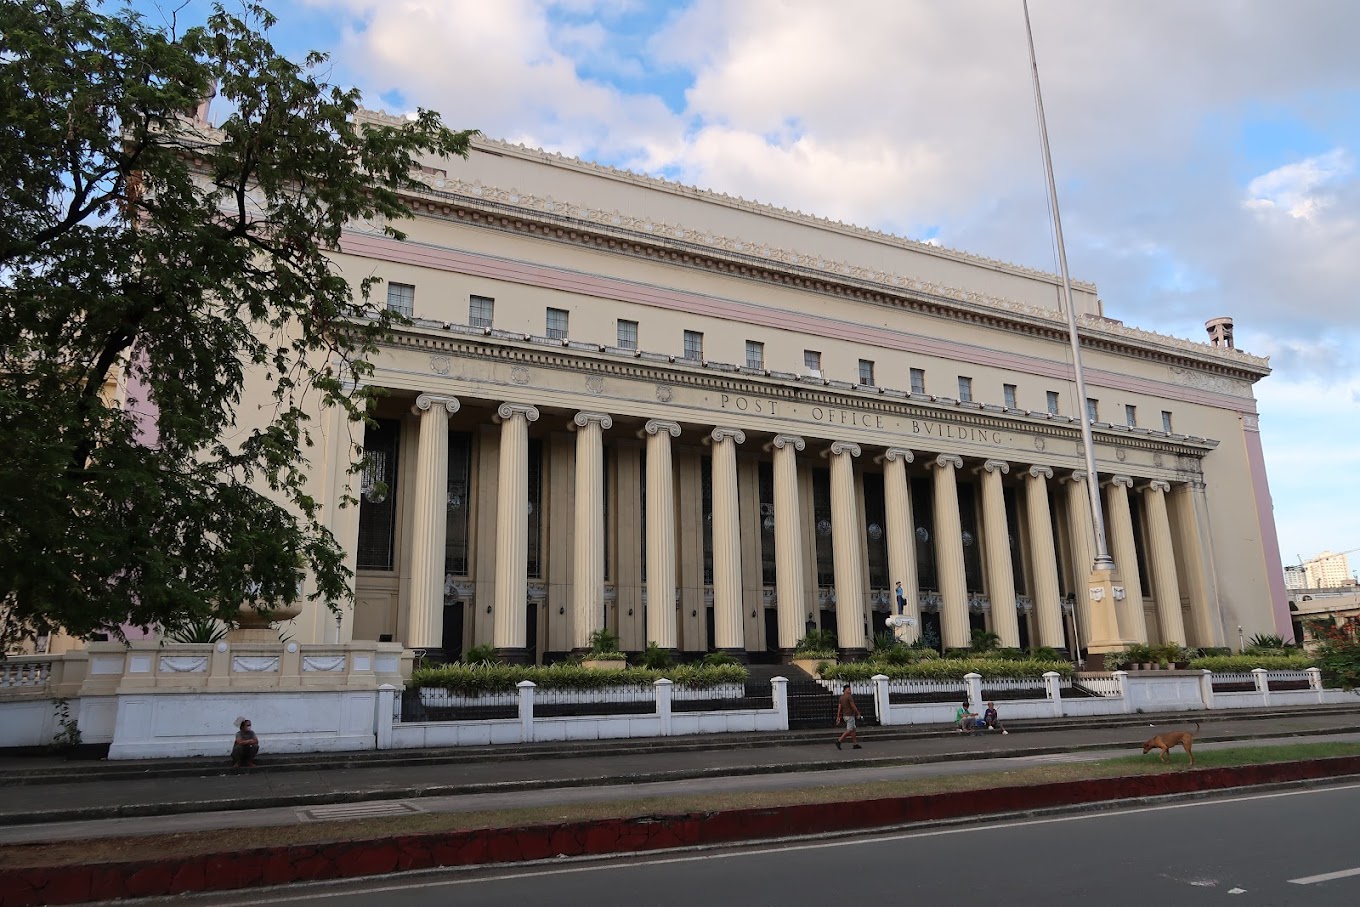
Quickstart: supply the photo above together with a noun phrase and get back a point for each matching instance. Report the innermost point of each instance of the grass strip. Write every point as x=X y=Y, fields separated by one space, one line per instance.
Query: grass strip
x=128 y=847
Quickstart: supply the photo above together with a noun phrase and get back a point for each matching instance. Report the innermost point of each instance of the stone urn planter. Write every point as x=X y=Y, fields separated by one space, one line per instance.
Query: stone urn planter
x=255 y=622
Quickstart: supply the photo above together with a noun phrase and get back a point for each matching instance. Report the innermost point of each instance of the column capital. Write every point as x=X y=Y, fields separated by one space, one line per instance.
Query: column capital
x=583 y=418
x=1077 y=475
x=426 y=401
x=896 y=453
x=507 y=411
x=779 y=442
x=1039 y=472
x=718 y=435
x=657 y=426
x=842 y=447
x=1157 y=485
x=1000 y=466
x=1126 y=481
x=943 y=460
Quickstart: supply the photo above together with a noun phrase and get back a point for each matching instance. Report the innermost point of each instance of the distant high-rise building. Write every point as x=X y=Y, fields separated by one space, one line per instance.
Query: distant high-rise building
x=1295 y=577
x=1327 y=571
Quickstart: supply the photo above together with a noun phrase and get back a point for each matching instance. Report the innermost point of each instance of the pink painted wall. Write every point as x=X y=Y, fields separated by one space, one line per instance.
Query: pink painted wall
x=1270 y=543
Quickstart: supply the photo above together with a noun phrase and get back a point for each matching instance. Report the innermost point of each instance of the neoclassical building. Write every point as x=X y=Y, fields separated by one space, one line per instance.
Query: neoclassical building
x=714 y=425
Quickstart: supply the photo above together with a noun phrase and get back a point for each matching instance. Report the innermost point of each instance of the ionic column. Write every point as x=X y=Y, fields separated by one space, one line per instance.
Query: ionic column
x=587 y=599
x=728 y=627
x=661 y=627
x=1131 y=623
x=429 y=524
x=901 y=535
x=1000 y=572
x=512 y=531
x=1166 y=591
x=1192 y=515
x=954 y=626
x=1047 y=607
x=789 y=590
x=1082 y=533
x=845 y=528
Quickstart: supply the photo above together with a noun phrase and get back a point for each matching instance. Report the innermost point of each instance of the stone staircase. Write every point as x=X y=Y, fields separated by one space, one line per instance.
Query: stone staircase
x=811 y=705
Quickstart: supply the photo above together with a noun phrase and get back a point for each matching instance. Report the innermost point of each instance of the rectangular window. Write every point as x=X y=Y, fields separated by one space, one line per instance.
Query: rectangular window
x=918 y=381
x=480 y=311
x=1166 y=421
x=866 y=372
x=401 y=298
x=1053 y=402
x=1008 y=392
x=965 y=389
x=812 y=360
x=627 y=335
x=557 y=324
x=458 y=504
x=755 y=354
x=378 y=496
x=1130 y=416
x=694 y=345
x=1092 y=409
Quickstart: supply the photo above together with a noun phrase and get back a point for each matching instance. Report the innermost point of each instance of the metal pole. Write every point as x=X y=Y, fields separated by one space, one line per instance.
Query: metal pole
x=1103 y=560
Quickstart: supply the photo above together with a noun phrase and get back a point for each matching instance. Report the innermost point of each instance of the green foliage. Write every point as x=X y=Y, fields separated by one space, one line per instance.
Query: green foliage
x=482 y=654
x=1235 y=664
x=141 y=247
x=604 y=643
x=199 y=630
x=1045 y=653
x=817 y=644
x=1267 y=641
x=1337 y=651
x=884 y=641
x=946 y=669
x=655 y=658
x=718 y=659
x=1116 y=661
x=68 y=734
x=488 y=678
x=985 y=641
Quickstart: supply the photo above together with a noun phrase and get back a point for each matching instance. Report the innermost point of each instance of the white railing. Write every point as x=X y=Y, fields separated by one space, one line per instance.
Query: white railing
x=1287 y=676
x=1236 y=677
x=17 y=672
x=1107 y=687
x=1020 y=684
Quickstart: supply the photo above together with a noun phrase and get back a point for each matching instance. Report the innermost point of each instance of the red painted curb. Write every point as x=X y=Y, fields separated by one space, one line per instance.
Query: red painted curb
x=302 y=863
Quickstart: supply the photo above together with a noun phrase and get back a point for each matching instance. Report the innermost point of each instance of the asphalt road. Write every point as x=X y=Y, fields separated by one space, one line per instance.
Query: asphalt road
x=1277 y=849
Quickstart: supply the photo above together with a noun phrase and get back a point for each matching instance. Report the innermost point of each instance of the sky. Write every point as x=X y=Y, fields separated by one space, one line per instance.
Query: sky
x=1206 y=152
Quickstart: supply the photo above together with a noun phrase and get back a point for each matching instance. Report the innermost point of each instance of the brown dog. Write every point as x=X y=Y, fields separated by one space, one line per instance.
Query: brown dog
x=1165 y=742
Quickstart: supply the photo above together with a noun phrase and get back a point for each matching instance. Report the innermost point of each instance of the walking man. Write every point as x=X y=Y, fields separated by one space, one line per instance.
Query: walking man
x=847 y=711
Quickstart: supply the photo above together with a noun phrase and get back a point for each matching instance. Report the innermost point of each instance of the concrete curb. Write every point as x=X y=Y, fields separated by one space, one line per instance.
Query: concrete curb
x=307 y=863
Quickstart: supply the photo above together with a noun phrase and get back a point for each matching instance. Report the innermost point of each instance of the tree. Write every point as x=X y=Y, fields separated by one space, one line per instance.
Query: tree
x=140 y=245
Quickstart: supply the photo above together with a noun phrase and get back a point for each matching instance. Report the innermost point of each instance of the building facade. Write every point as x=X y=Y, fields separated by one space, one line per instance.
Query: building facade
x=709 y=424
x=1328 y=571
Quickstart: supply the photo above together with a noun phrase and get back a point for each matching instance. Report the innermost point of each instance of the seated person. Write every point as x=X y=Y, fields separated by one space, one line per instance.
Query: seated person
x=965 y=720
x=991 y=721
x=246 y=745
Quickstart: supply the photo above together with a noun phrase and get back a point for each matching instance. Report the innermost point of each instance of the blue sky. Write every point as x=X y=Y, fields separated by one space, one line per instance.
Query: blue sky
x=1206 y=152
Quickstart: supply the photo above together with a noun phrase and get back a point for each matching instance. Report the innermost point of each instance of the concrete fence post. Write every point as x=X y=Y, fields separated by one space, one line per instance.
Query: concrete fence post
x=1206 y=688
x=1262 y=678
x=526 y=711
x=881 y=705
x=974 y=681
x=382 y=718
x=1121 y=679
x=663 y=704
x=779 y=689
x=1315 y=683
x=1053 y=690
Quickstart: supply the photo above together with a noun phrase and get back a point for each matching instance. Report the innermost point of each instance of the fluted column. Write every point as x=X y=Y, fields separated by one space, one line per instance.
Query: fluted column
x=1192 y=515
x=587 y=600
x=1047 y=607
x=901 y=535
x=728 y=627
x=1166 y=591
x=512 y=531
x=1082 y=533
x=997 y=535
x=1132 y=625
x=954 y=626
x=789 y=590
x=845 y=529
x=661 y=626
x=429 y=524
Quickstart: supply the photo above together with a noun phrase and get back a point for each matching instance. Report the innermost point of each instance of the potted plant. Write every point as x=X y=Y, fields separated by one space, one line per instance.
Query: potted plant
x=604 y=651
x=1140 y=656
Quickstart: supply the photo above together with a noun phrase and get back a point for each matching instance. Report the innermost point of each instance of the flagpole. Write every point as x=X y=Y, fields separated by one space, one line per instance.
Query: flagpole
x=1103 y=560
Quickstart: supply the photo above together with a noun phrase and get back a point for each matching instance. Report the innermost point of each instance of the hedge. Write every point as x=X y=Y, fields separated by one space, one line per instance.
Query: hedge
x=498 y=678
x=1238 y=664
x=947 y=669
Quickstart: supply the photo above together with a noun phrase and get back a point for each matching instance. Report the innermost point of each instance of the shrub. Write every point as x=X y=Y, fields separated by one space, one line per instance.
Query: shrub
x=483 y=654
x=1045 y=653
x=816 y=644
x=604 y=642
x=1337 y=652
x=985 y=641
x=498 y=678
x=947 y=669
x=718 y=659
x=1266 y=641
x=655 y=658
x=1237 y=664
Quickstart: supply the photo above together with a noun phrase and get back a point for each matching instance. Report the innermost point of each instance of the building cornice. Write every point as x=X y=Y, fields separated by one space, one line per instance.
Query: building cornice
x=511 y=211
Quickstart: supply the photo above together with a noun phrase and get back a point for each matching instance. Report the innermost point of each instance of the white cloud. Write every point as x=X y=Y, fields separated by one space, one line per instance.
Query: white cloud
x=1300 y=189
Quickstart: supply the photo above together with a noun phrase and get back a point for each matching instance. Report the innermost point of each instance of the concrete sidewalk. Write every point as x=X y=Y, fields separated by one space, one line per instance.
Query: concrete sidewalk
x=46 y=791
